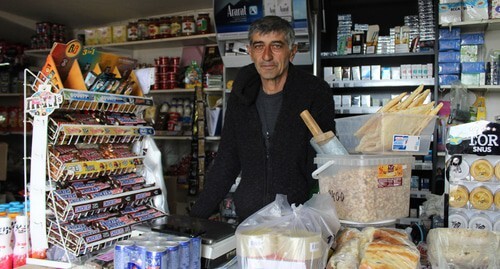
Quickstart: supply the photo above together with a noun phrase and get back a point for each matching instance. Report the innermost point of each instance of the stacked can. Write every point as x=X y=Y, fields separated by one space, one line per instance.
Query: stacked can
x=166 y=70
x=184 y=250
x=140 y=253
x=46 y=34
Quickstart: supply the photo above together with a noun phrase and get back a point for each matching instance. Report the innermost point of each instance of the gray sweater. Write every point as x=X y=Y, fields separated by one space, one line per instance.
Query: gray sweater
x=288 y=168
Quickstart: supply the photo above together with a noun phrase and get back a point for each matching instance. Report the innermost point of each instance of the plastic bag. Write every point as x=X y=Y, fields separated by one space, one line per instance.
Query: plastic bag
x=284 y=236
x=463 y=248
x=459 y=104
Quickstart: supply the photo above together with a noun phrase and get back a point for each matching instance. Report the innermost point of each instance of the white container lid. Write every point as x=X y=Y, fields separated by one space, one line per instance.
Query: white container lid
x=458 y=220
x=458 y=172
x=480 y=222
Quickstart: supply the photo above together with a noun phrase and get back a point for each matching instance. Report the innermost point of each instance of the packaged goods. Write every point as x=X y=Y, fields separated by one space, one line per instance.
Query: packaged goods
x=400 y=127
x=366 y=188
x=463 y=248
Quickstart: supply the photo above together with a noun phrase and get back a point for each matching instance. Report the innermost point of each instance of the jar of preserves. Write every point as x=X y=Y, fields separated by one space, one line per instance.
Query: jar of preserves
x=154 y=28
x=165 y=27
x=203 y=23
x=188 y=25
x=132 y=31
x=175 y=26
x=142 y=29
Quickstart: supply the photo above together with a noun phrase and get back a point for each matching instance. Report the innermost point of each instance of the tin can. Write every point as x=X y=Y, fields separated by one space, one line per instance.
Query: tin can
x=141 y=250
x=172 y=253
x=156 y=257
x=122 y=253
x=195 y=253
x=184 y=246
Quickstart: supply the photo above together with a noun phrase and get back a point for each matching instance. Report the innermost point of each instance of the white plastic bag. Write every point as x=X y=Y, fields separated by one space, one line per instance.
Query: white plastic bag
x=291 y=237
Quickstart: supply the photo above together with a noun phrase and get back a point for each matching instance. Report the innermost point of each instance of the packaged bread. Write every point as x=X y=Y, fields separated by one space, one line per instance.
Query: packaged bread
x=463 y=248
x=374 y=248
x=376 y=134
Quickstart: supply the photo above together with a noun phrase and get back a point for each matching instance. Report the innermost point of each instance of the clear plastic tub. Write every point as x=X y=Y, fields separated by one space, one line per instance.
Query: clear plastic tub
x=386 y=133
x=366 y=188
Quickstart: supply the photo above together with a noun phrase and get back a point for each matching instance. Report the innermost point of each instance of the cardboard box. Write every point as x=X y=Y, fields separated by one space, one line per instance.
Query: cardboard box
x=3 y=161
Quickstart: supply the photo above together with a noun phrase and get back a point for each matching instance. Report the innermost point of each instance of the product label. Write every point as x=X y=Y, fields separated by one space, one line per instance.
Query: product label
x=390 y=175
x=405 y=143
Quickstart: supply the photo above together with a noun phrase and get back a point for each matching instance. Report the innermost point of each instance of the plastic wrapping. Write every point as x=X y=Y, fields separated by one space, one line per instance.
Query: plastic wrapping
x=284 y=236
x=153 y=171
x=475 y=10
x=374 y=248
x=463 y=248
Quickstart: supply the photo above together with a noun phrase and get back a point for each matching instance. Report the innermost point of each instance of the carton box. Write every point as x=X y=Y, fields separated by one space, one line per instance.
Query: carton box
x=3 y=161
x=386 y=133
x=366 y=188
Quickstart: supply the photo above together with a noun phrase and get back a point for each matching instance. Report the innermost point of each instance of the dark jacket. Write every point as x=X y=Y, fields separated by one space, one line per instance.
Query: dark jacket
x=242 y=146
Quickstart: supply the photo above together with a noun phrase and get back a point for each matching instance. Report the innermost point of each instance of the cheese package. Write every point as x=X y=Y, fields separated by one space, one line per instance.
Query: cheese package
x=463 y=248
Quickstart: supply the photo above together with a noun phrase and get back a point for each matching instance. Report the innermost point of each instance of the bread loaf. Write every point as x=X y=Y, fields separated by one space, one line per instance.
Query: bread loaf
x=374 y=248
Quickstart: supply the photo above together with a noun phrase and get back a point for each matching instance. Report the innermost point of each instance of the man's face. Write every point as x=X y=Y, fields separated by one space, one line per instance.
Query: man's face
x=271 y=54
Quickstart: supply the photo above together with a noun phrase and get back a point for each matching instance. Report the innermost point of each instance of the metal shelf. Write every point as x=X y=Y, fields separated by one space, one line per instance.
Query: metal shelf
x=356 y=110
x=472 y=87
x=383 y=83
x=493 y=24
x=301 y=58
x=391 y=55
x=181 y=91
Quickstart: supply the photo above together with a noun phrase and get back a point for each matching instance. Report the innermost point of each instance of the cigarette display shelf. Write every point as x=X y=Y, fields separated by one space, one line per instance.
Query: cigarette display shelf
x=383 y=83
x=327 y=55
x=490 y=24
x=495 y=88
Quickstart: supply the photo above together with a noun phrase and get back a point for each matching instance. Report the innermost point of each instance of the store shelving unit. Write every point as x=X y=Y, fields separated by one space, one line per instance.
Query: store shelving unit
x=45 y=165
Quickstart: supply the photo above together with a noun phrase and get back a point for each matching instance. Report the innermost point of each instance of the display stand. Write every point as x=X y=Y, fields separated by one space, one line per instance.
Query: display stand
x=45 y=194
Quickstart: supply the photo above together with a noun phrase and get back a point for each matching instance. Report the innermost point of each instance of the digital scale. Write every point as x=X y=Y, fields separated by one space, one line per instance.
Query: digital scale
x=218 y=243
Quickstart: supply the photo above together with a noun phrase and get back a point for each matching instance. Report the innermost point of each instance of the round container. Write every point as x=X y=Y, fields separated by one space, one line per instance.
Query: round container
x=496 y=226
x=459 y=195
x=122 y=252
x=256 y=243
x=154 y=28
x=481 y=170
x=497 y=199
x=172 y=253
x=156 y=257
x=481 y=198
x=184 y=249
x=142 y=29
x=480 y=221
x=301 y=246
x=458 y=220
x=195 y=253
x=497 y=171
x=203 y=23
x=458 y=172
x=188 y=25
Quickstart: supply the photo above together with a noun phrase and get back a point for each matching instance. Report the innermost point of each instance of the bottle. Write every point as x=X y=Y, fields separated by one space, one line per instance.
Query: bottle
x=175 y=26
x=21 y=247
x=203 y=24
x=188 y=25
x=5 y=248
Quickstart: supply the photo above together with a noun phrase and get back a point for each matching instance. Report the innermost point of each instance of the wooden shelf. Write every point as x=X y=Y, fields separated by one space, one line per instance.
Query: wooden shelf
x=171 y=42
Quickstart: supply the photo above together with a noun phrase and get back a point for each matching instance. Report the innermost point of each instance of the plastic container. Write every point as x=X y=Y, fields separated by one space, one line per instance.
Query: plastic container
x=458 y=220
x=366 y=188
x=386 y=133
x=480 y=221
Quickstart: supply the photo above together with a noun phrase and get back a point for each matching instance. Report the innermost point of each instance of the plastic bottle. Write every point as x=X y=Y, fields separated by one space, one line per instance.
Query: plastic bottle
x=5 y=248
x=21 y=246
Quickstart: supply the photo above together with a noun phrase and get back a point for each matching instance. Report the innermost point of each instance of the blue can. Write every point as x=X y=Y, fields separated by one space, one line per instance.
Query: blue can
x=122 y=253
x=184 y=249
x=172 y=253
x=195 y=253
x=142 y=247
x=156 y=258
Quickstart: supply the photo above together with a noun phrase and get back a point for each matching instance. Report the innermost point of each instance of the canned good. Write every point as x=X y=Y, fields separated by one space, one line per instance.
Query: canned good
x=142 y=29
x=132 y=31
x=141 y=250
x=175 y=26
x=203 y=23
x=195 y=253
x=184 y=246
x=156 y=257
x=172 y=253
x=165 y=27
x=122 y=253
x=188 y=25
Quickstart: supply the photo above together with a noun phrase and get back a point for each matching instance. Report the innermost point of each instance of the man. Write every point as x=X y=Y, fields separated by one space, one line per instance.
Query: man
x=264 y=136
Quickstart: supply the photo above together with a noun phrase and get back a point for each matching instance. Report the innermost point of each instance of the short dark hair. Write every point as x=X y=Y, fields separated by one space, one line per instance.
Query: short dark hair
x=268 y=24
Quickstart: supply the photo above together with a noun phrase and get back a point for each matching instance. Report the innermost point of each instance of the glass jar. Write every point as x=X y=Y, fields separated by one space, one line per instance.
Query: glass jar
x=165 y=27
x=142 y=29
x=188 y=25
x=203 y=23
x=132 y=31
x=154 y=28
x=175 y=26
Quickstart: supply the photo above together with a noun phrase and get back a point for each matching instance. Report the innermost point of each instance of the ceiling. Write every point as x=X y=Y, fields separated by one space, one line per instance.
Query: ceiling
x=18 y=18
